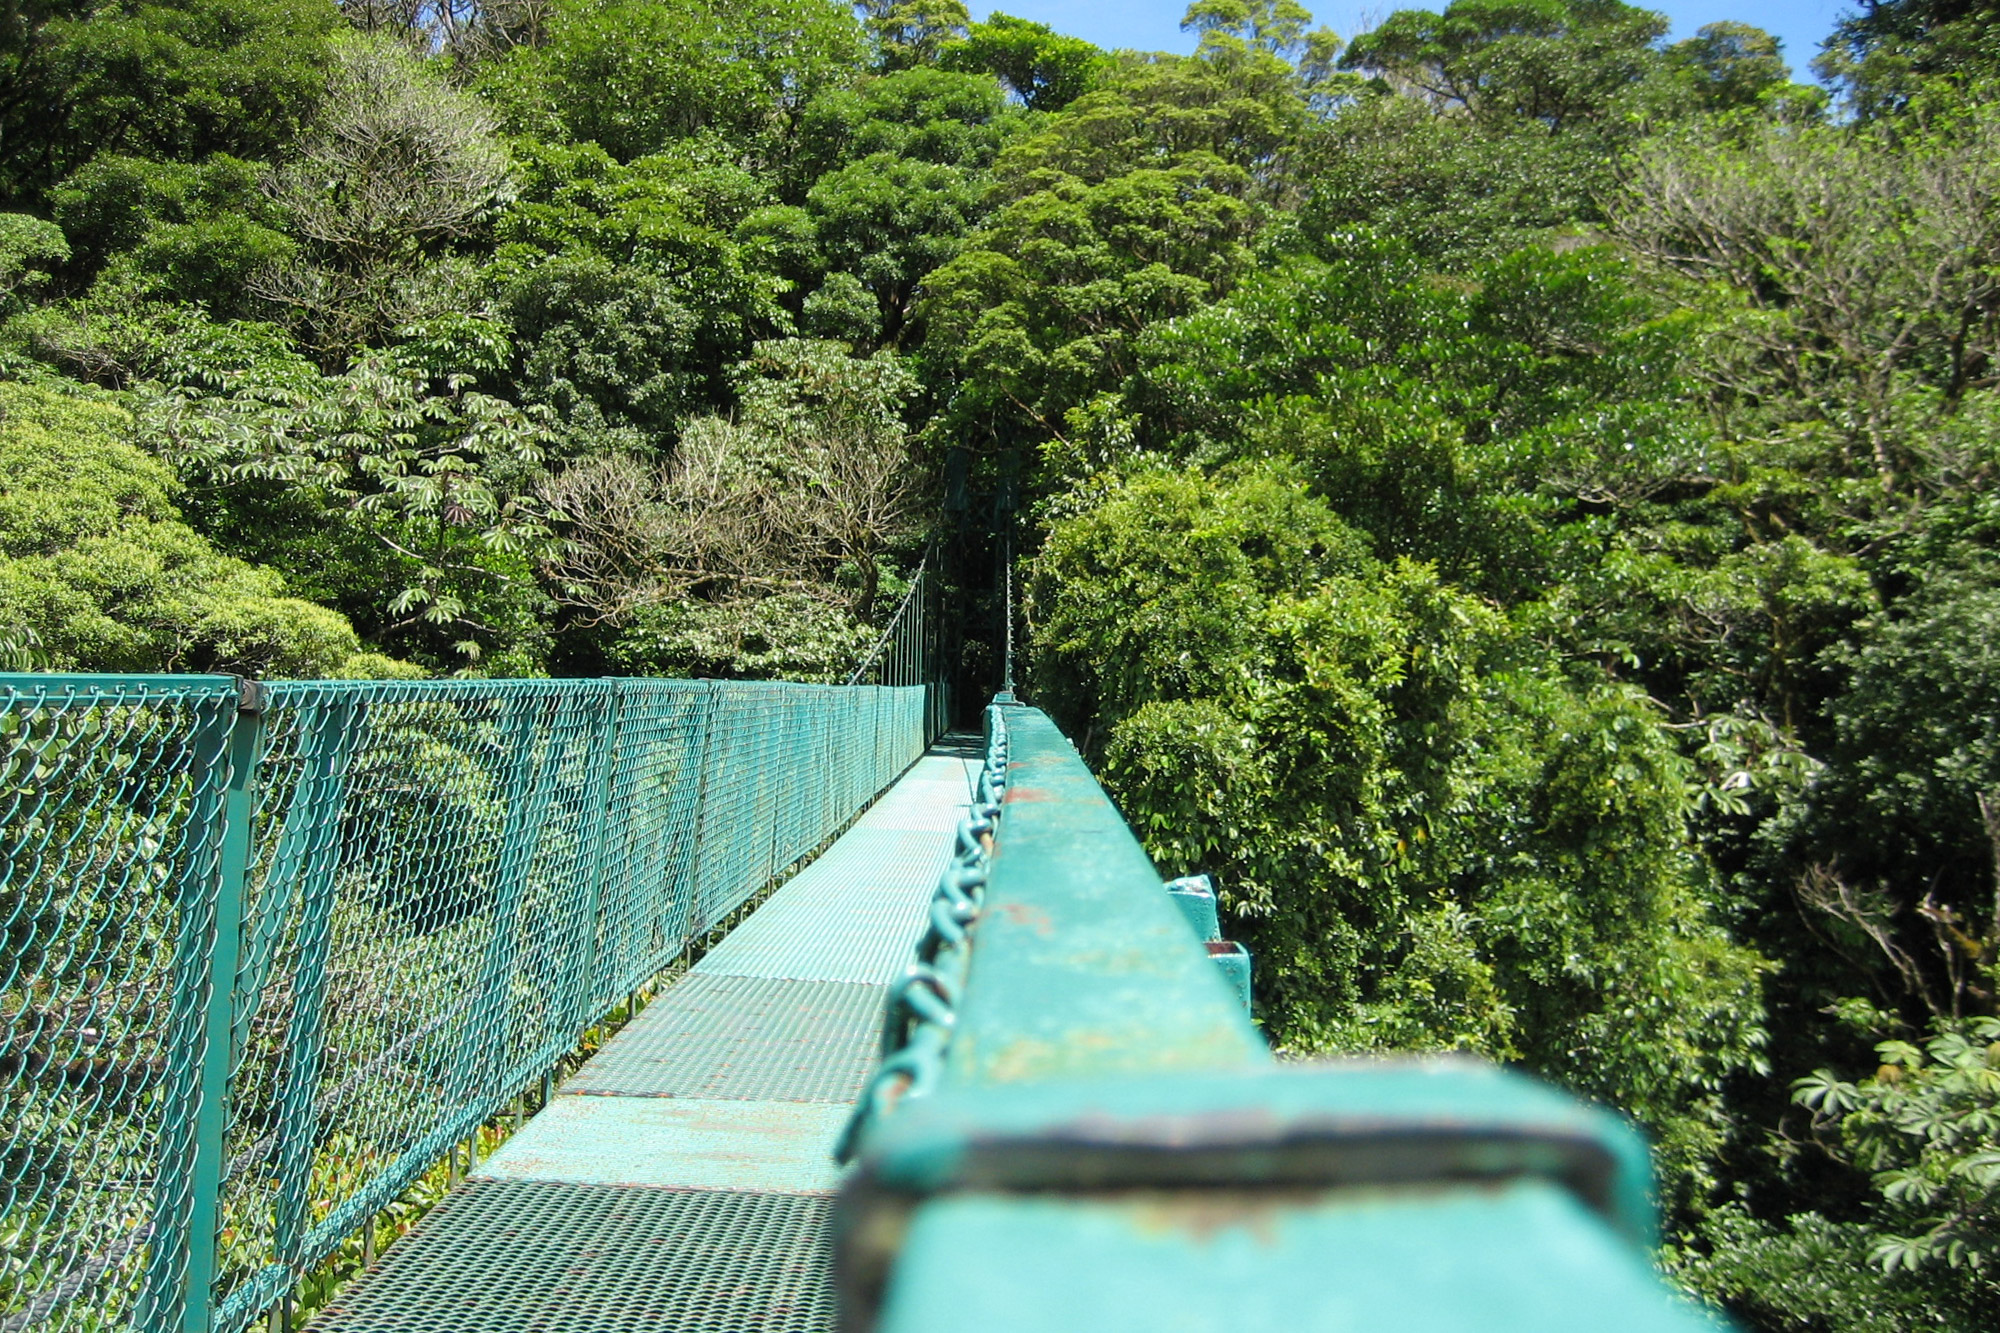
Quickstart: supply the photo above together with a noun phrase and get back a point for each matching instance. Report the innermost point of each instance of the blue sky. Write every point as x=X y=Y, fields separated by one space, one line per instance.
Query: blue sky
x=1154 y=25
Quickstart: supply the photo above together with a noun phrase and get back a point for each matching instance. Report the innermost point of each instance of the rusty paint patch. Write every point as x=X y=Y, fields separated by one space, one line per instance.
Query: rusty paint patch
x=1015 y=794
x=1136 y=960
x=1022 y=914
x=1202 y=1216
x=1133 y=1048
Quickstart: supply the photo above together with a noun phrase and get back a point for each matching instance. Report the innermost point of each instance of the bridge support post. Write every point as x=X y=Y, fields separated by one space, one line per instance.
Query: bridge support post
x=597 y=834
x=529 y=790
x=178 y=1287
x=316 y=813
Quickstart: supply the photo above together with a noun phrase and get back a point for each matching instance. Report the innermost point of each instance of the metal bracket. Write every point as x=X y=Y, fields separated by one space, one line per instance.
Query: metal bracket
x=1337 y=1126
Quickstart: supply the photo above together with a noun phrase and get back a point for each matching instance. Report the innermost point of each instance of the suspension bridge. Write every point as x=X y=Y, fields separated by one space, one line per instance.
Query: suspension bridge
x=960 y=1060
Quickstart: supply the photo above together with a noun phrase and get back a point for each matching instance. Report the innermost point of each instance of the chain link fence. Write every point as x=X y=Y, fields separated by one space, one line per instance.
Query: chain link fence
x=269 y=951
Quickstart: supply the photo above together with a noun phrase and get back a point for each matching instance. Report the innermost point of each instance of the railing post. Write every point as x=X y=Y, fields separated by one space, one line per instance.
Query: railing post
x=315 y=818
x=687 y=875
x=528 y=792
x=595 y=843
x=178 y=1290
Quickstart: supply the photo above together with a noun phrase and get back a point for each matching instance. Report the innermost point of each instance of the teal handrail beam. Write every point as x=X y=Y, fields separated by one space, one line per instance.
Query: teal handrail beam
x=1078 y=1128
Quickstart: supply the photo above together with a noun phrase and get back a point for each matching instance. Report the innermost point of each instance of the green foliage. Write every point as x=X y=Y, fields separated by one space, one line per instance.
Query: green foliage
x=889 y=221
x=799 y=495
x=1428 y=838
x=898 y=170
x=397 y=167
x=1730 y=65
x=603 y=342
x=634 y=78
x=1546 y=61
x=1447 y=185
x=29 y=247
x=1913 y=760
x=202 y=233
x=99 y=570
x=913 y=32
x=162 y=79
x=842 y=309
x=1808 y=1274
x=1039 y=65
x=1244 y=33
x=1039 y=311
x=926 y=115
x=412 y=478
x=1461 y=423
x=786 y=636
x=109 y=206
x=1874 y=247
x=626 y=286
x=1926 y=1127
x=1893 y=54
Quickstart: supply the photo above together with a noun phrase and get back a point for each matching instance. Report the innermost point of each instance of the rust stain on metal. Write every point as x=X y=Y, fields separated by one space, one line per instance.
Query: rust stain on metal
x=1021 y=914
x=1132 y=960
x=1015 y=794
x=1203 y=1215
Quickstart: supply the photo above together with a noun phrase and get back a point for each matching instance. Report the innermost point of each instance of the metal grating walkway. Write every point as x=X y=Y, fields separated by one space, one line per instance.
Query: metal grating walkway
x=681 y=1180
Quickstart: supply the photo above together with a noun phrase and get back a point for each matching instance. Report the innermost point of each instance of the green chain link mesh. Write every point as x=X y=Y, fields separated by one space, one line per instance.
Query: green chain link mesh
x=439 y=885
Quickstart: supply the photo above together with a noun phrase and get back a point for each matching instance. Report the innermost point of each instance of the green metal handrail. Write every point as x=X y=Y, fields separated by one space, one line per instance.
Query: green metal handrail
x=1076 y=1126
x=268 y=951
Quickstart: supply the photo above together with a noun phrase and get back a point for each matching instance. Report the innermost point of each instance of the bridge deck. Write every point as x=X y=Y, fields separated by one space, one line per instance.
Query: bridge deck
x=683 y=1177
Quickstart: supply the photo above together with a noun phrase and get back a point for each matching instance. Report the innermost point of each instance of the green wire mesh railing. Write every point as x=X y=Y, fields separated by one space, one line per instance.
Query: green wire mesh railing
x=270 y=950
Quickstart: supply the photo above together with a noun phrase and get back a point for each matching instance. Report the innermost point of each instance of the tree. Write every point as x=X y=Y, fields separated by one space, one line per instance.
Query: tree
x=633 y=76
x=397 y=165
x=1240 y=31
x=1927 y=1126
x=1915 y=762
x=466 y=31
x=908 y=33
x=1548 y=61
x=1037 y=314
x=1925 y=1129
x=1039 y=65
x=1454 y=189
x=1492 y=125
x=797 y=496
x=98 y=572
x=925 y=115
x=633 y=286
x=164 y=79
x=1864 y=264
x=29 y=248
x=1890 y=53
x=1134 y=205
x=194 y=232
x=899 y=175
x=890 y=222
x=1730 y=65
x=1467 y=423
x=393 y=476
x=607 y=345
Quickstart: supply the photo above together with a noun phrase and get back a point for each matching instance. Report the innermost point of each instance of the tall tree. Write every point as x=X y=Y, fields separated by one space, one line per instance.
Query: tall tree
x=156 y=78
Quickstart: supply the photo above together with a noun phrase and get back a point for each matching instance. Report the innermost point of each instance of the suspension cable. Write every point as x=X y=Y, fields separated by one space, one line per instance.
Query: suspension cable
x=895 y=622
